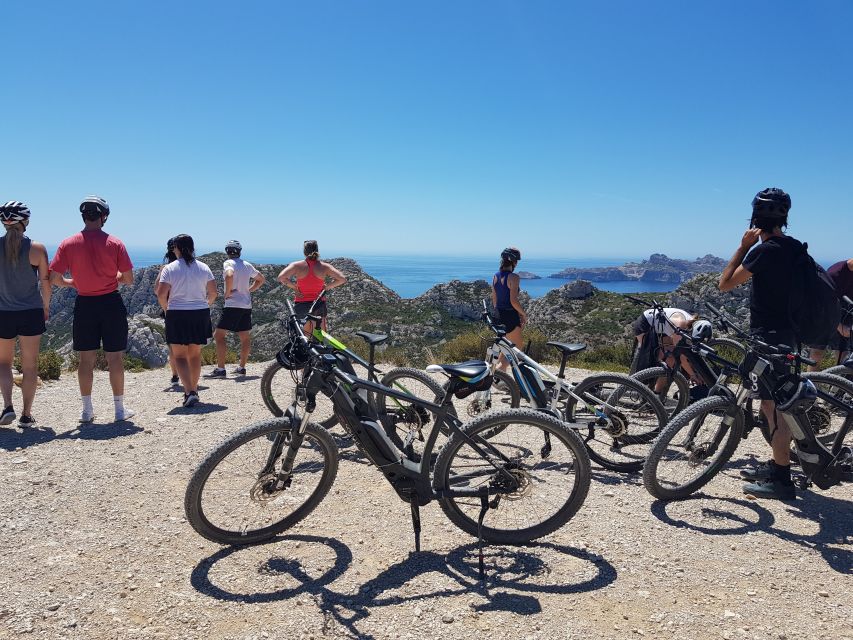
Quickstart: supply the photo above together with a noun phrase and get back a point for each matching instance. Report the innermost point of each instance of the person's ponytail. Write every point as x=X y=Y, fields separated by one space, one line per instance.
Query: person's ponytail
x=13 y=240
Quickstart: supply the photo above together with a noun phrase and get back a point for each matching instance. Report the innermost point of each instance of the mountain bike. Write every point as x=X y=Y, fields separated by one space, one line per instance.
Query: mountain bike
x=698 y=442
x=504 y=489
x=616 y=416
x=279 y=383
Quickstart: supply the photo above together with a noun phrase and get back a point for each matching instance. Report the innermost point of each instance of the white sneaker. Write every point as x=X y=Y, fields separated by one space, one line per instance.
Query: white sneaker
x=127 y=414
x=86 y=417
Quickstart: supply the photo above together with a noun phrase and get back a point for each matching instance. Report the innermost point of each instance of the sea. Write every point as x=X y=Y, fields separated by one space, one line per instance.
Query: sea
x=412 y=275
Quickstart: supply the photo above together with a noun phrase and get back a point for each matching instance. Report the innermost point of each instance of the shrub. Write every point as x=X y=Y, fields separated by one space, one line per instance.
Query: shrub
x=131 y=363
x=466 y=346
x=612 y=357
x=49 y=364
x=208 y=355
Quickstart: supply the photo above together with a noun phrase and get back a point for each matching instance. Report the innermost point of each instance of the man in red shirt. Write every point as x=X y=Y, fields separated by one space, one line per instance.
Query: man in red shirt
x=841 y=274
x=98 y=263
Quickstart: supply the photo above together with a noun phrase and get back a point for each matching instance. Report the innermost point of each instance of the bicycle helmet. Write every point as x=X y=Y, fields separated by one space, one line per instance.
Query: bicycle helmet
x=511 y=254
x=233 y=248
x=294 y=355
x=702 y=330
x=805 y=392
x=771 y=203
x=94 y=207
x=13 y=212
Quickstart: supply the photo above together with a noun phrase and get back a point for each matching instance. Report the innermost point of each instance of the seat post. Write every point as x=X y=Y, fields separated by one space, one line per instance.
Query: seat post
x=563 y=362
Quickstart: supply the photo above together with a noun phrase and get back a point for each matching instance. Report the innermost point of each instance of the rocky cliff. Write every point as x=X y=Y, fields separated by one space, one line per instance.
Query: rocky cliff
x=658 y=268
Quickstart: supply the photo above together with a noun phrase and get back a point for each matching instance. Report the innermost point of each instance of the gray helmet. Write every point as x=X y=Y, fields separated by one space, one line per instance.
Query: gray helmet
x=94 y=207
x=233 y=247
x=702 y=330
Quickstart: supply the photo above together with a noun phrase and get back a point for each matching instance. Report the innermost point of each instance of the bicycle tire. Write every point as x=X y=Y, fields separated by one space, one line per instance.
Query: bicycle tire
x=607 y=441
x=317 y=439
x=664 y=489
x=399 y=418
x=272 y=379
x=463 y=511
x=679 y=384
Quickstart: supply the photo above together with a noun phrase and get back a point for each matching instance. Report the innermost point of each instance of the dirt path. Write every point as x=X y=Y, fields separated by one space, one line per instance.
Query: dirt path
x=95 y=545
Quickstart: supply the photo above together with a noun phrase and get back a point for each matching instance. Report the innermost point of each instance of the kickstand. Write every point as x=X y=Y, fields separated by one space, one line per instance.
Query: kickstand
x=484 y=507
x=416 y=521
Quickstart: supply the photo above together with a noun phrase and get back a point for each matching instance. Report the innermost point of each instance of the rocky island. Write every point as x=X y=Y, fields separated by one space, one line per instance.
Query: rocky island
x=658 y=268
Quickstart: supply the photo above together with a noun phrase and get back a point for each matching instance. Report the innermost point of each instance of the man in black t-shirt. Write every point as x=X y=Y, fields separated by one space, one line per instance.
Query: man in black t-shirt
x=769 y=264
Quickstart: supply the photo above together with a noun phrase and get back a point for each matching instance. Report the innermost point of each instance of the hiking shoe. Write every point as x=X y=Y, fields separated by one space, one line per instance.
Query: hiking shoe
x=191 y=398
x=126 y=414
x=217 y=373
x=239 y=371
x=86 y=417
x=763 y=471
x=771 y=488
x=26 y=421
x=8 y=416
x=175 y=379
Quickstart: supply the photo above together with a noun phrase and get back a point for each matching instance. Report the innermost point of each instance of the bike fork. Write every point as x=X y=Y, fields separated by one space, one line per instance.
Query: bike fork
x=296 y=437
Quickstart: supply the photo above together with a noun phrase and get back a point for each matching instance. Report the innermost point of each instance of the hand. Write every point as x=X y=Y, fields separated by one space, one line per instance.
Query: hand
x=844 y=330
x=46 y=315
x=750 y=238
x=118 y=276
x=522 y=319
x=69 y=282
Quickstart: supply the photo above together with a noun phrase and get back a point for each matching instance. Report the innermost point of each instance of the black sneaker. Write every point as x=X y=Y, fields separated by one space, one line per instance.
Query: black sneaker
x=26 y=421
x=763 y=471
x=8 y=416
x=175 y=379
x=217 y=373
x=190 y=399
x=771 y=488
x=239 y=371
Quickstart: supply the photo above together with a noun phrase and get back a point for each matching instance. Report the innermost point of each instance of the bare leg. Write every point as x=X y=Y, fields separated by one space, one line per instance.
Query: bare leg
x=513 y=336
x=817 y=356
x=193 y=366
x=245 y=347
x=86 y=371
x=221 y=349
x=29 y=364
x=172 y=362
x=7 y=355
x=115 y=360
x=182 y=365
x=781 y=440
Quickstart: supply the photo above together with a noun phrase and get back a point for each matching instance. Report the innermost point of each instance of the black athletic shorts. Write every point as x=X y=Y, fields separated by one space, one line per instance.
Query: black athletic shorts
x=509 y=319
x=235 y=319
x=29 y=322
x=833 y=342
x=302 y=309
x=641 y=325
x=100 y=321
x=776 y=337
x=192 y=326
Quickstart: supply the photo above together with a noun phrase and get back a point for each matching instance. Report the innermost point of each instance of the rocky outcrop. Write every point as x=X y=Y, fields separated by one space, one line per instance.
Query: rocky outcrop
x=462 y=300
x=146 y=341
x=658 y=268
x=526 y=275
x=693 y=294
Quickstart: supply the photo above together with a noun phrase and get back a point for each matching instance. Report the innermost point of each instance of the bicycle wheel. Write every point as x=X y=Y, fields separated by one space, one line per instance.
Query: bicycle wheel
x=675 y=394
x=232 y=500
x=278 y=389
x=693 y=448
x=503 y=394
x=401 y=418
x=618 y=419
x=547 y=459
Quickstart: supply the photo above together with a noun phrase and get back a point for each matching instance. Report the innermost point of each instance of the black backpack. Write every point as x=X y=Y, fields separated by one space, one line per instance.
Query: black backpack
x=814 y=307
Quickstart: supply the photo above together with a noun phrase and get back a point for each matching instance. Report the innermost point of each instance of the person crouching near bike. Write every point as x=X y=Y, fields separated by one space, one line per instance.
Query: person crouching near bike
x=770 y=265
x=656 y=339
x=241 y=281
x=841 y=274
x=505 y=288
x=186 y=290
x=309 y=278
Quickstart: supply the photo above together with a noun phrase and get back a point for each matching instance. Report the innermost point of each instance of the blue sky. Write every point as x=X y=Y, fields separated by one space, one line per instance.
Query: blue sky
x=568 y=129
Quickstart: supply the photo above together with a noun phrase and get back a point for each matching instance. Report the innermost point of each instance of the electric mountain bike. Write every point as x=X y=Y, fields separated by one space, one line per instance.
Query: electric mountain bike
x=509 y=488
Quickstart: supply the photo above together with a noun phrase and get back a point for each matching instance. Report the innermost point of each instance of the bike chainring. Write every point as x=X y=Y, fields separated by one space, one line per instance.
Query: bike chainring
x=617 y=424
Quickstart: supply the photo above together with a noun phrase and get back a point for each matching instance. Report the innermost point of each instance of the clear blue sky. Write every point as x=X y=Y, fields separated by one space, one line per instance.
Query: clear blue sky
x=568 y=129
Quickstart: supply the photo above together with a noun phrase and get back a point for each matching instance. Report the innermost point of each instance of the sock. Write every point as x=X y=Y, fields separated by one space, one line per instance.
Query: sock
x=87 y=404
x=119 y=402
x=782 y=473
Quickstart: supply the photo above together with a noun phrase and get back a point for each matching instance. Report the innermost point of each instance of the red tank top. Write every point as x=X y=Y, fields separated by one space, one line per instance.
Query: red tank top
x=310 y=286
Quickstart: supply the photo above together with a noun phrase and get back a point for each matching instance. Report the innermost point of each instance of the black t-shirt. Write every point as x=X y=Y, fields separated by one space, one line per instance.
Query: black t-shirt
x=770 y=264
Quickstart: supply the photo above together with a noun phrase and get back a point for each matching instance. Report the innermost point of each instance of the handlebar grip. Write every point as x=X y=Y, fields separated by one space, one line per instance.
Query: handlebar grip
x=808 y=361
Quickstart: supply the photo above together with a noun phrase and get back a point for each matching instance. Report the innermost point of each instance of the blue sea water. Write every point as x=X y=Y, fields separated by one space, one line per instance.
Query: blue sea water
x=412 y=275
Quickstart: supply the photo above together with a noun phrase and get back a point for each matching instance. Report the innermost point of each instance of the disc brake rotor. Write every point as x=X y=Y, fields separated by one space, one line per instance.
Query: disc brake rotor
x=264 y=491
x=819 y=418
x=617 y=424
x=525 y=485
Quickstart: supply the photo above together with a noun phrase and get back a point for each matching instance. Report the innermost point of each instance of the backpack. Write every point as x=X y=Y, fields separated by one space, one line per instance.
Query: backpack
x=813 y=307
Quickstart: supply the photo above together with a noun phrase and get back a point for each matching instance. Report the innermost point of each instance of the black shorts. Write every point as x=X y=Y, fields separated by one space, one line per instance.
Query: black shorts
x=29 y=322
x=302 y=308
x=641 y=325
x=188 y=327
x=100 y=321
x=775 y=337
x=235 y=319
x=833 y=342
x=509 y=319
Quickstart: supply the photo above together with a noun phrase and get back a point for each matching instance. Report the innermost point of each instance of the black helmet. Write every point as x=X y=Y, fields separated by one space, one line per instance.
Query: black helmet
x=511 y=254
x=94 y=207
x=805 y=391
x=771 y=203
x=233 y=248
x=14 y=211
x=702 y=330
x=294 y=355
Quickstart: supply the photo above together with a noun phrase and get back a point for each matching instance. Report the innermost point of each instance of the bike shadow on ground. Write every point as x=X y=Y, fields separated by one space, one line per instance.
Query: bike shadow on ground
x=11 y=439
x=199 y=409
x=514 y=575
x=740 y=516
x=616 y=478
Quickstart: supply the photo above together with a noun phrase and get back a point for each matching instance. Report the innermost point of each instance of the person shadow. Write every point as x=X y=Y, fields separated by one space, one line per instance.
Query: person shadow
x=12 y=439
x=199 y=409
x=514 y=576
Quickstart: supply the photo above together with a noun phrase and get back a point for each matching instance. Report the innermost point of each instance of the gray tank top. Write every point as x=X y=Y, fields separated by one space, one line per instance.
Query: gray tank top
x=19 y=284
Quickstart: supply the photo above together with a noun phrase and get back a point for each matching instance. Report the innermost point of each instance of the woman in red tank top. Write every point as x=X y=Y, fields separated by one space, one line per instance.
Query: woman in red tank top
x=308 y=278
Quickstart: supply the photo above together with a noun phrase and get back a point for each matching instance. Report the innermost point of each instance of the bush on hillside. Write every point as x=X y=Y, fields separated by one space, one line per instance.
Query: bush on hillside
x=131 y=363
x=208 y=355
x=49 y=364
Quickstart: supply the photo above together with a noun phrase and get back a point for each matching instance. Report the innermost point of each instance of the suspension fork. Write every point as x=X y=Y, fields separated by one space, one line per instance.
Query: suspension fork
x=297 y=434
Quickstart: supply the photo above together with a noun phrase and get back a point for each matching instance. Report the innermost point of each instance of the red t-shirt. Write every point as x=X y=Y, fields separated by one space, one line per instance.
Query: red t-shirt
x=94 y=259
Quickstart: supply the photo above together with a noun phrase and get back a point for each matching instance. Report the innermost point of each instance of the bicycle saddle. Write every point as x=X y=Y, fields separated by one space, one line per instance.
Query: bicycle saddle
x=567 y=349
x=465 y=370
x=372 y=338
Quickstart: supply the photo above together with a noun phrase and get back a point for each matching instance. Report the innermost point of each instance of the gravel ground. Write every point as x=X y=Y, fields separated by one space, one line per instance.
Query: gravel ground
x=96 y=546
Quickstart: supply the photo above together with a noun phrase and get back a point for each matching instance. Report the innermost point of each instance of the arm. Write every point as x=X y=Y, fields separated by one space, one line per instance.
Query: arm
x=38 y=258
x=125 y=278
x=211 y=292
x=337 y=278
x=59 y=280
x=734 y=274
x=290 y=271
x=257 y=282
x=162 y=293
x=513 y=281
x=494 y=294
x=229 y=282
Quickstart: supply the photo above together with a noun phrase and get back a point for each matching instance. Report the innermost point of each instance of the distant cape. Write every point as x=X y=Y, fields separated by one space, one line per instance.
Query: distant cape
x=658 y=268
